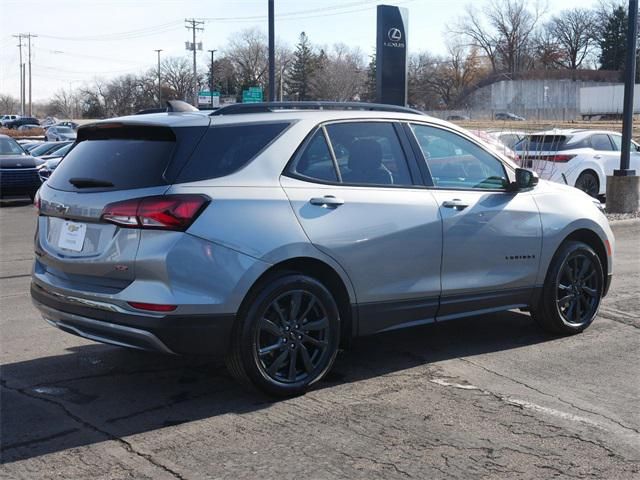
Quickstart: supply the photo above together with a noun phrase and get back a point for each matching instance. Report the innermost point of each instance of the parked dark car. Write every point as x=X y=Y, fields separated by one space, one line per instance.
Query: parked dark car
x=47 y=148
x=457 y=117
x=18 y=170
x=22 y=121
x=52 y=161
x=509 y=116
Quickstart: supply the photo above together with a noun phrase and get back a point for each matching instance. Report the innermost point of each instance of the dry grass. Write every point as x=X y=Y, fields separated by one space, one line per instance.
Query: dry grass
x=36 y=132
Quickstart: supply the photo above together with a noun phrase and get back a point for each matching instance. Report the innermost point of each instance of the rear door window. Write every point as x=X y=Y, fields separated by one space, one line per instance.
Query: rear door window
x=601 y=142
x=316 y=162
x=369 y=153
x=226 y=149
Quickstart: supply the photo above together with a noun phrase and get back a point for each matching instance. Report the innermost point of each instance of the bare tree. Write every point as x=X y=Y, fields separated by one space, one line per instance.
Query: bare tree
x=8 y=104
x=341 y=74
x=503 y=30
x=576 y=35
x=177 y=74
x=65 y=103
x=248 y=52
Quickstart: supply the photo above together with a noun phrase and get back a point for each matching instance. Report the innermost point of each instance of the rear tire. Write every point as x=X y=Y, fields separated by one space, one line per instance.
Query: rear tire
x=588 y=182
x=286 y=337
x=572 y=290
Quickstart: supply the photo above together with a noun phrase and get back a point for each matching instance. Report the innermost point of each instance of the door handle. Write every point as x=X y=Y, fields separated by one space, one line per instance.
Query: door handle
x=456 y=204
x=597 y=157
x=328 y=201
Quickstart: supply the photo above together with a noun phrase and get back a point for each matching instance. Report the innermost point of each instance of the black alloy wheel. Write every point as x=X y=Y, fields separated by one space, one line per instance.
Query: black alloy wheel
x=572 y=291
x=286 y=335
x=292 y=337
x=588 y=183
x=578 y=289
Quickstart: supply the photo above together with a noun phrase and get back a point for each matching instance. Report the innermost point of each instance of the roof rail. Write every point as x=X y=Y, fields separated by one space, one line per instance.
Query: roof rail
x=266 y=107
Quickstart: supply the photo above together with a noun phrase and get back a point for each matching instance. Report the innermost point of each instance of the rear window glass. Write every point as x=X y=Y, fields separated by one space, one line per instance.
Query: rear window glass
x=541 y=143
x=126 y=163
x=226 y=149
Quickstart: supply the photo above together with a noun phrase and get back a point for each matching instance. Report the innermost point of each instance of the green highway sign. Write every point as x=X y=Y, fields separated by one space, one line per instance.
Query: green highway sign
x=252 y=95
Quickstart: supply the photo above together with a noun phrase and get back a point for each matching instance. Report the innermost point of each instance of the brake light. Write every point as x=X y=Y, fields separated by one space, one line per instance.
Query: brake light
x=166 y=212
x=153 y=307
x=36 y=201
x=559 y=158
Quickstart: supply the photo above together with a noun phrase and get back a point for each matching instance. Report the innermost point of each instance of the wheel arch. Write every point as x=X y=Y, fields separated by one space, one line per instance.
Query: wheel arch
x=592 y=239
x=590 y=167
x=328 y=276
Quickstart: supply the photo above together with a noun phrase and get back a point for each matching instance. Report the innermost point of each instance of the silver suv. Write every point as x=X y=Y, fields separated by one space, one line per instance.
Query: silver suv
x=273 y=233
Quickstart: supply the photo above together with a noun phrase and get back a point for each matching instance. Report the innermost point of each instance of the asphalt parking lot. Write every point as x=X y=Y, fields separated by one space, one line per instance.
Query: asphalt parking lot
x=486 y=397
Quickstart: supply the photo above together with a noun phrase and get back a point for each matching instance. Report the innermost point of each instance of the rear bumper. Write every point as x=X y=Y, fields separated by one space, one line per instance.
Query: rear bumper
x=193 y=334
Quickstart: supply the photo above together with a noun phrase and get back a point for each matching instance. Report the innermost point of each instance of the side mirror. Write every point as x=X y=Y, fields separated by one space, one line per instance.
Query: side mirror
x=525 y=179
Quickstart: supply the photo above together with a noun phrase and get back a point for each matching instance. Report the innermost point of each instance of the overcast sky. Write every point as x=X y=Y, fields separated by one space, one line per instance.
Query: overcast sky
x=79 y=40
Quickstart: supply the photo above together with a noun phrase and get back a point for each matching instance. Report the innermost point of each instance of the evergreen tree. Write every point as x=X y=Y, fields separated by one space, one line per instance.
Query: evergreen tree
x=613 y=40
x=305 y=63
x=370 y=93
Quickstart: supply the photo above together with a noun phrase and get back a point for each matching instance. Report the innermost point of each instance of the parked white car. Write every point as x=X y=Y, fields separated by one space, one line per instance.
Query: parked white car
x=580 y=158
x=7 y=118
x=508 y=137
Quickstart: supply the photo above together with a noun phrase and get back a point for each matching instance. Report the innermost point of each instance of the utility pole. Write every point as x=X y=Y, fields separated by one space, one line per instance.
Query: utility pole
x=194 y=25
x=21 y=68
x=272 y=53
x=211 y=77
x=29 y=37
x=629 y=86
x=159 y=79
x=623 y=188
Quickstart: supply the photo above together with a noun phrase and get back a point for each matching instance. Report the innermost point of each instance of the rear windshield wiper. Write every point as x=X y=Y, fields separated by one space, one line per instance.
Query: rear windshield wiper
x=89 y=182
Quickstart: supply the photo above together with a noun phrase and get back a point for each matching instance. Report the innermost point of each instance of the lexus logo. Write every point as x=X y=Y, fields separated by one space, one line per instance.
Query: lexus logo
x=394 y=34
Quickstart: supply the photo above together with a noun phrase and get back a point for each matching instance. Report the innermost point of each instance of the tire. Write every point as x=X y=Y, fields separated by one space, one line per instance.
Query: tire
x=588 y=182
x=266 y=337
x=572 y=290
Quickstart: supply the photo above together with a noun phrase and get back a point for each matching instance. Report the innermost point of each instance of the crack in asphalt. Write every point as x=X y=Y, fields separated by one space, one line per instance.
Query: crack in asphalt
x=125 y=444
x=28 y=443
x=566 y=402
x=8 y=277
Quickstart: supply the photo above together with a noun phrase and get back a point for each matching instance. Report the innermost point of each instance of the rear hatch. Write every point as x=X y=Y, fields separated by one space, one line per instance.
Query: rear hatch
x=541 y=152
x=111 y=162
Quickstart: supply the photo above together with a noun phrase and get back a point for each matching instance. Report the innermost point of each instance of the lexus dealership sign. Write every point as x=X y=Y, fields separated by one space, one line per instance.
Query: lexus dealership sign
x=391 y=55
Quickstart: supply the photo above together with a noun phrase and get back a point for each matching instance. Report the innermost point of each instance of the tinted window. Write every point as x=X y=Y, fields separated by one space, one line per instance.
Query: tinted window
x=542 y=143
x=226 y=149
x=8 y=146
x=369 y=153
x=126 y=163
x=601 y=141
x=617 y=142
x=315 y=161
x=455 y=162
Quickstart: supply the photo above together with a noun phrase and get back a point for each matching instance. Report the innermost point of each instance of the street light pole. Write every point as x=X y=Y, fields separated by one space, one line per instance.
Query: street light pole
x=159 y=79
x=272 y=53
x=629 y=86
x=211 y=77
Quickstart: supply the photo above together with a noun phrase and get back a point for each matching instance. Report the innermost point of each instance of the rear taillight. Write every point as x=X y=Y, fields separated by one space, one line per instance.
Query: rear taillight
x=153 y=307
x=36 y=201
x=166 y=212
x=559 y=158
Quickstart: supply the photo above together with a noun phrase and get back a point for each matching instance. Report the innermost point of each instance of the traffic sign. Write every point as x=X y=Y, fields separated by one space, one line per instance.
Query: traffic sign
x=252 y=95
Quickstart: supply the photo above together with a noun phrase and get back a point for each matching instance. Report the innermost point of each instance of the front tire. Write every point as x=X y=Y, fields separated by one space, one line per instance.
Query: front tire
x=286 y=338
x=572 y=290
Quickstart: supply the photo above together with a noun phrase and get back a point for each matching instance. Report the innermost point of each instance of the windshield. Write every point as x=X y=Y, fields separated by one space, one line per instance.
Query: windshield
x=64 y=130
x=61 y=152
x=9 y=146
